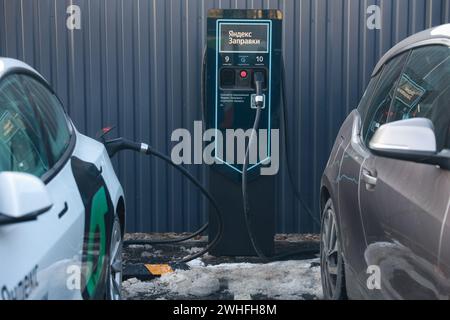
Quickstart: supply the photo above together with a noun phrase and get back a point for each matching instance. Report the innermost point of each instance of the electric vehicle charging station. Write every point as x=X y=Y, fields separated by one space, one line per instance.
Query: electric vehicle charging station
x=242 y=45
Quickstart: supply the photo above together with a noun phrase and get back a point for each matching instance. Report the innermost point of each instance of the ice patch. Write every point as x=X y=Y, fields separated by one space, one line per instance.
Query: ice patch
x=147 y=254
x=184 y=284
x=288 y=280
x=278 y=280
x=135 y=246
x=133 y=288
x=192 y=250
x=196 y=263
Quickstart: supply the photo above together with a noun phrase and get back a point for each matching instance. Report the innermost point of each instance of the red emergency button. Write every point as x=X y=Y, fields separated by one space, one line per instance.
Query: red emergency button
x=244 y=74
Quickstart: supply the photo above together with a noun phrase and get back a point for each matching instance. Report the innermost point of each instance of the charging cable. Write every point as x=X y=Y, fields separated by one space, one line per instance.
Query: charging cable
x=121 y=144
x=259 y=101
x=286 y=147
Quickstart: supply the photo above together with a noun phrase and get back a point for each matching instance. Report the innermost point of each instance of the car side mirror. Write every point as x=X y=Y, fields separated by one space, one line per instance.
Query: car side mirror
x=410 y=140
x=23 y=198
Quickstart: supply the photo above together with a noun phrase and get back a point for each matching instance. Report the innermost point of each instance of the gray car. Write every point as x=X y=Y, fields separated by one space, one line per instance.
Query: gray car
x=385 y=192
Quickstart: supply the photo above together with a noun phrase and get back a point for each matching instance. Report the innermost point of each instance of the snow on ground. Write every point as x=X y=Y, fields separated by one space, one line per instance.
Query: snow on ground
x=241 y=278
x=288 y=280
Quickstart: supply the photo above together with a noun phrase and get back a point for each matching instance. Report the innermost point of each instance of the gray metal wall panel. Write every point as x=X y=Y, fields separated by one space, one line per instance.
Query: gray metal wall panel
x=136 y=64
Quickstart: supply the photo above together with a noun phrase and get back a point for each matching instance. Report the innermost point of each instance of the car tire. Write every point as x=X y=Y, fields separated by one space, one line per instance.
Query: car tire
x=114 y=279
x=331 y=257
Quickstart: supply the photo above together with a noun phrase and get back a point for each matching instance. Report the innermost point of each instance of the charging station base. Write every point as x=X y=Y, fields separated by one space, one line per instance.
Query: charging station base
x=235 y=240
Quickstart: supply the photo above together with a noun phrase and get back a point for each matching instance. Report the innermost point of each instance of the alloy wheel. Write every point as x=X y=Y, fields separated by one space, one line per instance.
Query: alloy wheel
x=330 y=256
x=115 y=268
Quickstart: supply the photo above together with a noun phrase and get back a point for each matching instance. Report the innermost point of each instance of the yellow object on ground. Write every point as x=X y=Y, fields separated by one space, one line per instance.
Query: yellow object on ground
x=159 y=269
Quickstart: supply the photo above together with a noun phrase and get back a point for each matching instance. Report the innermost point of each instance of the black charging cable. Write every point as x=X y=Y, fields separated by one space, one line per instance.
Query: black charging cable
x=206 y=226
x=259 y=101
x=296 y=191
x=117 y=145
x=121 y=144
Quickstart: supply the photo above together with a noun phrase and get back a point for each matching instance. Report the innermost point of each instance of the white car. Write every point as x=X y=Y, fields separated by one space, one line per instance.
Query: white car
x=62 y=207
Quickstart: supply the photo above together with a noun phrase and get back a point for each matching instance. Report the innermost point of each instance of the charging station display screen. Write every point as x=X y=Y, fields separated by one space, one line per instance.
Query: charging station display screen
x=244 y=38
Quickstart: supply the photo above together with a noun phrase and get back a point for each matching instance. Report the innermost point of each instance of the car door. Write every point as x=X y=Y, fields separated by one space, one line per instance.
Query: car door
x=353 y=225
x=40 y=259
x=404 y=203
x=81 y=185
x=346 y=167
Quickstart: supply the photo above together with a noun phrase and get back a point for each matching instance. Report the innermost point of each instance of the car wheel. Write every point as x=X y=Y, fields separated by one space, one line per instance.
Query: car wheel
x=331 y=259
x=114 y=285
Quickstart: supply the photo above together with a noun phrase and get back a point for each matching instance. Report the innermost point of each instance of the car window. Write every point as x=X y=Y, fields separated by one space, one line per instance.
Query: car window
x=22 y=146
x=368 y=94
x=424 y=91
x=53 y=117
x=381 y=101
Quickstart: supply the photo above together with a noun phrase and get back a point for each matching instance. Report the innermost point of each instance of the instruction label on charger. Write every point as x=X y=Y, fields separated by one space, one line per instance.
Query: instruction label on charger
x=227 y=98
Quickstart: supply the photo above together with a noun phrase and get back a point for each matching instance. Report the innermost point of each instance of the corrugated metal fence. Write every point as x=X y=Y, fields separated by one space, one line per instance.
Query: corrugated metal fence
x=136 y=64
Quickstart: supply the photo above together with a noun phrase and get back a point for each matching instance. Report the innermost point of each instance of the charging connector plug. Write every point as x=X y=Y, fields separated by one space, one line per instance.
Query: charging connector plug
x=259 y=83
x=121 y=144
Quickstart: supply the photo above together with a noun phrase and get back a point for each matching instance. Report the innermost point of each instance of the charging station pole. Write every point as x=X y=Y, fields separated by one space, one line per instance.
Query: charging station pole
x=241 y=43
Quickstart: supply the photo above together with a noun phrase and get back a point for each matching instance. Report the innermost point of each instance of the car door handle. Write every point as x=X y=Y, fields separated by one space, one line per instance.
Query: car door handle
x=369 y=178
x=64 y=211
